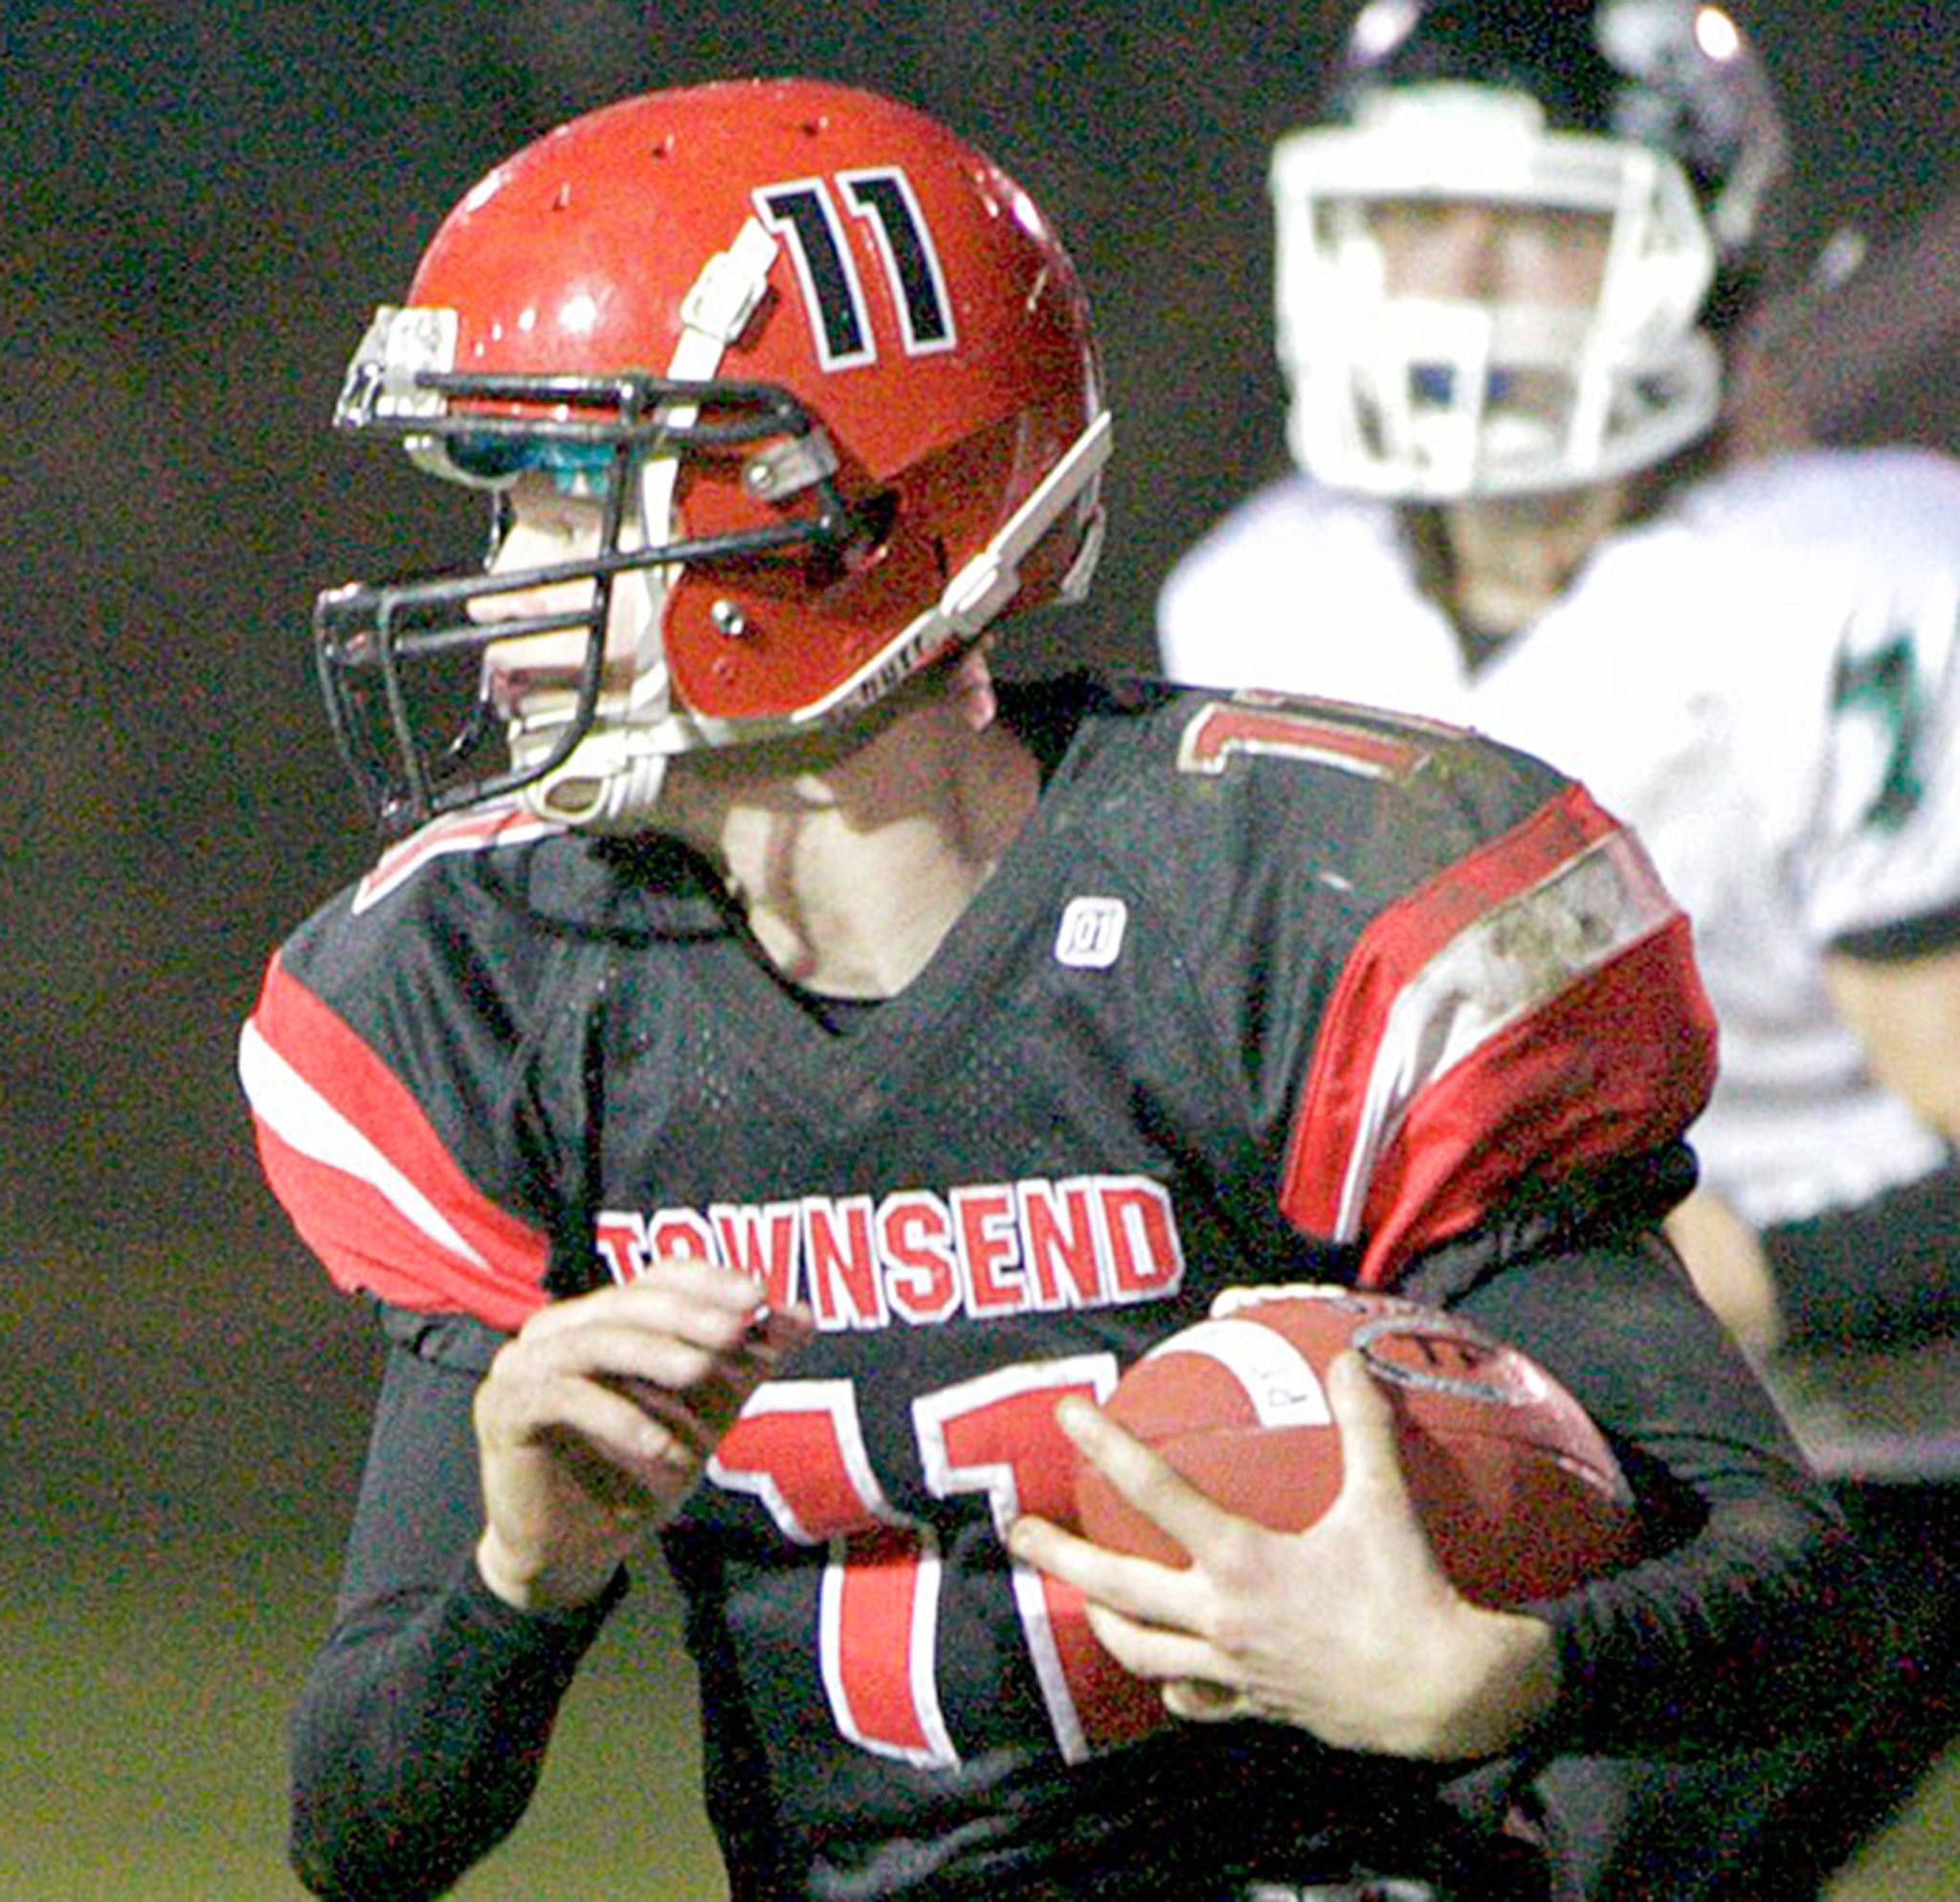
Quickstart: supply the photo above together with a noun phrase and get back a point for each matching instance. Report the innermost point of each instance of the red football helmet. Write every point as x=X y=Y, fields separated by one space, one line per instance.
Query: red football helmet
x=828 y=373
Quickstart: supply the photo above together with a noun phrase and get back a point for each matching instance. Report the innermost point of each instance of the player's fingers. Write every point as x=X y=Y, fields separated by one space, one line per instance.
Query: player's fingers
x=611 y=1350
x=774 y=1334
x=1198 y=1701
x=1044 y=1545
x=677 y=1331
x=703 y=1408
x=1145 y=1479
x=1159 y=1654
x=692 y=1300
x=583 y=1422
x=1137 y=1588
x=1371 y=1464
x=695 y=1391
x=715 y=1302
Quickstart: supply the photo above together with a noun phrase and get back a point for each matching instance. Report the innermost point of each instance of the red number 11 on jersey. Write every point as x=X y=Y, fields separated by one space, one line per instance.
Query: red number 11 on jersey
x=799 y=1449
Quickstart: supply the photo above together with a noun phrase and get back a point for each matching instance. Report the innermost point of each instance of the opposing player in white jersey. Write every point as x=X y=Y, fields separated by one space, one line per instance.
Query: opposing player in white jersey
x=1515 y=261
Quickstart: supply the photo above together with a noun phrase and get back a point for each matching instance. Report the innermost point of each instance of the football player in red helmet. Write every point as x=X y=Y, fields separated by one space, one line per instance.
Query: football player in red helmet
x=782 y=1076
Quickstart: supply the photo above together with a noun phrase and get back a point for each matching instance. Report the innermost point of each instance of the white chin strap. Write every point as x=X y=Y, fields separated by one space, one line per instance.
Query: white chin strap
x=610 y=780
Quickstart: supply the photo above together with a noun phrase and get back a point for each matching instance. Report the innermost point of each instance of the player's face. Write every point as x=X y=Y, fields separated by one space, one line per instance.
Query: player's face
x=1498 y=254
x=549 y=526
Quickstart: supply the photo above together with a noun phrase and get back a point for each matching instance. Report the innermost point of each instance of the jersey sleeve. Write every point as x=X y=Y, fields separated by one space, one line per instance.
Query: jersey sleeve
x=352 y=1150
x=422 y=1724
x=1529 y=1015
x=1714 y=1641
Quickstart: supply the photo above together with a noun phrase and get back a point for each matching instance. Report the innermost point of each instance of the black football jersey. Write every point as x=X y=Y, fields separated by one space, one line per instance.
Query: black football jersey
x=1266 y=989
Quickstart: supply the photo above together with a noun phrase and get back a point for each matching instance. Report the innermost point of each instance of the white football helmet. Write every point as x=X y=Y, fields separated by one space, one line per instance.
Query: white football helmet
x=1651 y=116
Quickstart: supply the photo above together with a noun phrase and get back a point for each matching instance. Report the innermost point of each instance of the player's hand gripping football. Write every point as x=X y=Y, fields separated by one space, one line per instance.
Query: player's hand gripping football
x=1348 y=1629
x=596 y=1417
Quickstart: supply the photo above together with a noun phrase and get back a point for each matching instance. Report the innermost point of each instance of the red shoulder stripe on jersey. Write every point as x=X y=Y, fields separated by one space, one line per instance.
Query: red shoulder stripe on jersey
x=1531 y=1010
x=478 y=829
x=365 y=1178
x=1257 y=723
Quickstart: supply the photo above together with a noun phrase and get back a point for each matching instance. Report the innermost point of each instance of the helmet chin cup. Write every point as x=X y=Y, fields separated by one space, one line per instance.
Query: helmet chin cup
x=605 y=783
x=1453 y=398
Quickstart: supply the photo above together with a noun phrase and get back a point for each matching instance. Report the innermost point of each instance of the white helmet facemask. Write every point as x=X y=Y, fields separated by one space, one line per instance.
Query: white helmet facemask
x=1433 y=398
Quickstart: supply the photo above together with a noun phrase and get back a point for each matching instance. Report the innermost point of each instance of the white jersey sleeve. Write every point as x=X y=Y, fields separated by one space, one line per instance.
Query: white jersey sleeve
x=1303 y=589
x=1883 y=840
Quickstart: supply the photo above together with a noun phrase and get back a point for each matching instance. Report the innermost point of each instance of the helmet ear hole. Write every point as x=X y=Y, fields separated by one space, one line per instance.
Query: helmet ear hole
x=863 y=543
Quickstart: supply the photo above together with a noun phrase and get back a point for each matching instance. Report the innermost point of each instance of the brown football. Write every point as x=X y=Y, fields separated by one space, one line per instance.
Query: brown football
x=1518 y=1489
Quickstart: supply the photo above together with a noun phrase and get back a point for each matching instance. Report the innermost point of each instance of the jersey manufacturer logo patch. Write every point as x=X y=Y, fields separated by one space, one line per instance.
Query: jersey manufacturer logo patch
x=1091 y=933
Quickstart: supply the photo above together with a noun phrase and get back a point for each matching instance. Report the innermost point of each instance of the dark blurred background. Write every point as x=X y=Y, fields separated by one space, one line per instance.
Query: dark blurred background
x=199 y=204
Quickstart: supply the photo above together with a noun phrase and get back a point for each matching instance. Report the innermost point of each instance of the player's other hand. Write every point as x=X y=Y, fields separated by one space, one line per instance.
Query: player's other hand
x=1348 y=1629
x=595 y=1420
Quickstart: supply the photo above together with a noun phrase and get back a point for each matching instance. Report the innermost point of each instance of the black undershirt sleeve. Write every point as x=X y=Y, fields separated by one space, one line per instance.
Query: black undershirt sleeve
x=421 y=1727
x=1756 y=1614
x=1876 y=1274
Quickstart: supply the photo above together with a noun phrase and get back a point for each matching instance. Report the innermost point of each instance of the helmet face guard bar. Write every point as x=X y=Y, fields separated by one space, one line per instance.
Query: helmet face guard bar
x=401 y=663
